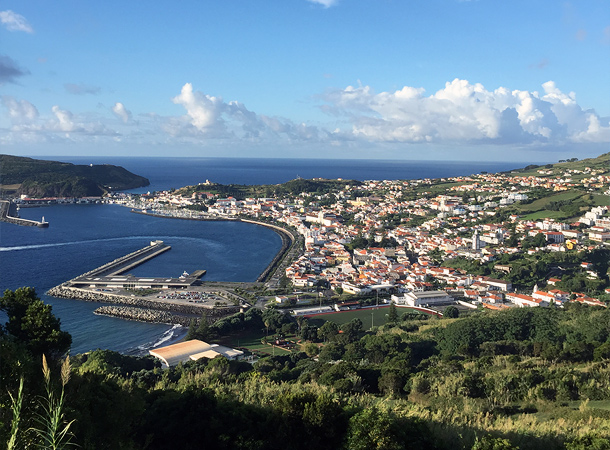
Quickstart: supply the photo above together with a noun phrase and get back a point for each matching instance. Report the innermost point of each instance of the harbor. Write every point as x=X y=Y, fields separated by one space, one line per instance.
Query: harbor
x=112 y=274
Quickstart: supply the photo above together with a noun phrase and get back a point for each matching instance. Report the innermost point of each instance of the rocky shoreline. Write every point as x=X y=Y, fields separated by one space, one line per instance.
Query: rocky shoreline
x=143 y=315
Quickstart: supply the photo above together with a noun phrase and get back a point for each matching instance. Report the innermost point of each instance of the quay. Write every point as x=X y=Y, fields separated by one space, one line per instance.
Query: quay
x=8 y=214
x=111 y=275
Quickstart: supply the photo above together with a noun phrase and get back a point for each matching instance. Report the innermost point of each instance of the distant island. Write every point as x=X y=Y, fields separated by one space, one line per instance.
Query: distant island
x=41 y=178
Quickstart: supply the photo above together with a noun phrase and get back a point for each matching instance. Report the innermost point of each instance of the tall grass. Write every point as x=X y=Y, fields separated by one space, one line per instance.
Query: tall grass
x=16 y=403
x=53 y=430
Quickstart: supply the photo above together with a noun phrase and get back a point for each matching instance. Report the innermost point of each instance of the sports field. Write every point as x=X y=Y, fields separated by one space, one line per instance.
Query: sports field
x=377 y=316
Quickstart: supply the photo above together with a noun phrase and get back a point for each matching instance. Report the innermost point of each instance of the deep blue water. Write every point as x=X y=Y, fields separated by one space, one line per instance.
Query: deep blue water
x=167 y=173
x=82 y=237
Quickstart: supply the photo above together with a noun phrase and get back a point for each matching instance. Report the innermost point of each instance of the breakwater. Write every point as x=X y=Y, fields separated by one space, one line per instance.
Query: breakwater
x=107 y=297
x=7 y=209
x=143 y=315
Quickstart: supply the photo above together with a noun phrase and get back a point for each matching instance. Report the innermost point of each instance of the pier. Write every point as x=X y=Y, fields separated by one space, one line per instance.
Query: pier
x=112 y=273
x=8 y=214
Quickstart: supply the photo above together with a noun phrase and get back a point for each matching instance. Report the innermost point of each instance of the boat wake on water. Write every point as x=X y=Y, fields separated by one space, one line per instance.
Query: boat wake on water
x=92 y=241
x=175 y=333
x=61 y=244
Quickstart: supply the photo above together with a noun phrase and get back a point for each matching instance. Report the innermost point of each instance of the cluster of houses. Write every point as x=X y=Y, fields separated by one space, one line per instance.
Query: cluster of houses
x=450 y=225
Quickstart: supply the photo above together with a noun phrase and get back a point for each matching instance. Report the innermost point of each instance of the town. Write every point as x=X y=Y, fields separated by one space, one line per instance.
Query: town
x=471 y=239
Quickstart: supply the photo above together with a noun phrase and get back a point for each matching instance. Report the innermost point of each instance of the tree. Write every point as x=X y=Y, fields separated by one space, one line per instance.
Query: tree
x=273 y=319
x=489 y=442
x=203 y=329
x=352 y=329
x=328 y=331
x=451 y=312
x=392 y=313
x=192 y=331
x=31 y=321
x=381 y=430
x=539 y=240
x=284 y=284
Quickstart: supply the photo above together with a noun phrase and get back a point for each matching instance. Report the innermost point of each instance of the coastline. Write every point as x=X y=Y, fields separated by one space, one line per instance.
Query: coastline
x=164 y=312
x=288 y=239
x=142 y=309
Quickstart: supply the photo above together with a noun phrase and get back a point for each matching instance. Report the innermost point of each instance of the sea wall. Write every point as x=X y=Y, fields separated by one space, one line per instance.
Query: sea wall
x=105 y=297
x=287 y=241
x=143 y=315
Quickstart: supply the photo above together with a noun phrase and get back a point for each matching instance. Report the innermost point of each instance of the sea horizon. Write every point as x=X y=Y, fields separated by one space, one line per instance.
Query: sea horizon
x=168 y=172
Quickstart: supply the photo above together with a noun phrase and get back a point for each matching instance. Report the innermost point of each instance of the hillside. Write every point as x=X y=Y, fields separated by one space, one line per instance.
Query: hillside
x=41 y=178
x=293 y=187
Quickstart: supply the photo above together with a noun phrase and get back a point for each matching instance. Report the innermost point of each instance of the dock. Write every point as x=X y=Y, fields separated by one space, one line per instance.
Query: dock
x=112 y=274
x=8 y=214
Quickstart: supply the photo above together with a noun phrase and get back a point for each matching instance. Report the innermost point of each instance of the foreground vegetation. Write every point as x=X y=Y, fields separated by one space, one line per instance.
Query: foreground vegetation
x=526 y=378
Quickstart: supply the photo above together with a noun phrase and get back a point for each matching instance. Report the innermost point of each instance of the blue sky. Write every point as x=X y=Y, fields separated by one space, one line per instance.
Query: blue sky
x=390 y=79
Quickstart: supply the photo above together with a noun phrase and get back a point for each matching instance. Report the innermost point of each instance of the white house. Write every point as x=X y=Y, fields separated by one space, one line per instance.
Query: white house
x=424 y=298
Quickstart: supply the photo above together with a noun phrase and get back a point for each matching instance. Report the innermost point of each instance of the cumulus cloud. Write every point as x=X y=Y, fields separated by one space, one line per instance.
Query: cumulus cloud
x=212 y=117
x=121 y=112
x=203 y=110
x=81 y=89
x=463 y=111
x=28 y=126
x=64 y=119
x=15 y=22
x=20 y=111
x=9 y=70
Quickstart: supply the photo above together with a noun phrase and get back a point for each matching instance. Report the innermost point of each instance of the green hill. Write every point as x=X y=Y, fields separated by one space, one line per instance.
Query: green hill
x=41 y=178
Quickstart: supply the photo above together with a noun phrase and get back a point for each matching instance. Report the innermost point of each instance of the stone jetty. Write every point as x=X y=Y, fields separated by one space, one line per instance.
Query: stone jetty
x=143 y=315
x=62 y=291
x=8 y=213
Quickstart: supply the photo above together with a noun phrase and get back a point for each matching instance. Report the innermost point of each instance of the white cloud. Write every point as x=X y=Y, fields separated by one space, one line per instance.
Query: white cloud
x=20 y=111
x=204 y=111
x=15 y=22
x=64 y=119
x=211 y=117
x=595 y=131
x=121 y=112
x=462 y=111
x=325 y=3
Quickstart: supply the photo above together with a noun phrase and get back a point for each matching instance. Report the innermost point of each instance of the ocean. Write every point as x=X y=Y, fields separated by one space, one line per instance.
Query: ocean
x=168 y=173
x=83 y=237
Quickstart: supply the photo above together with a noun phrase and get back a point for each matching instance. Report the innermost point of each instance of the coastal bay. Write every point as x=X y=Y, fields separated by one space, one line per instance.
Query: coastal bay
x=82 y=237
